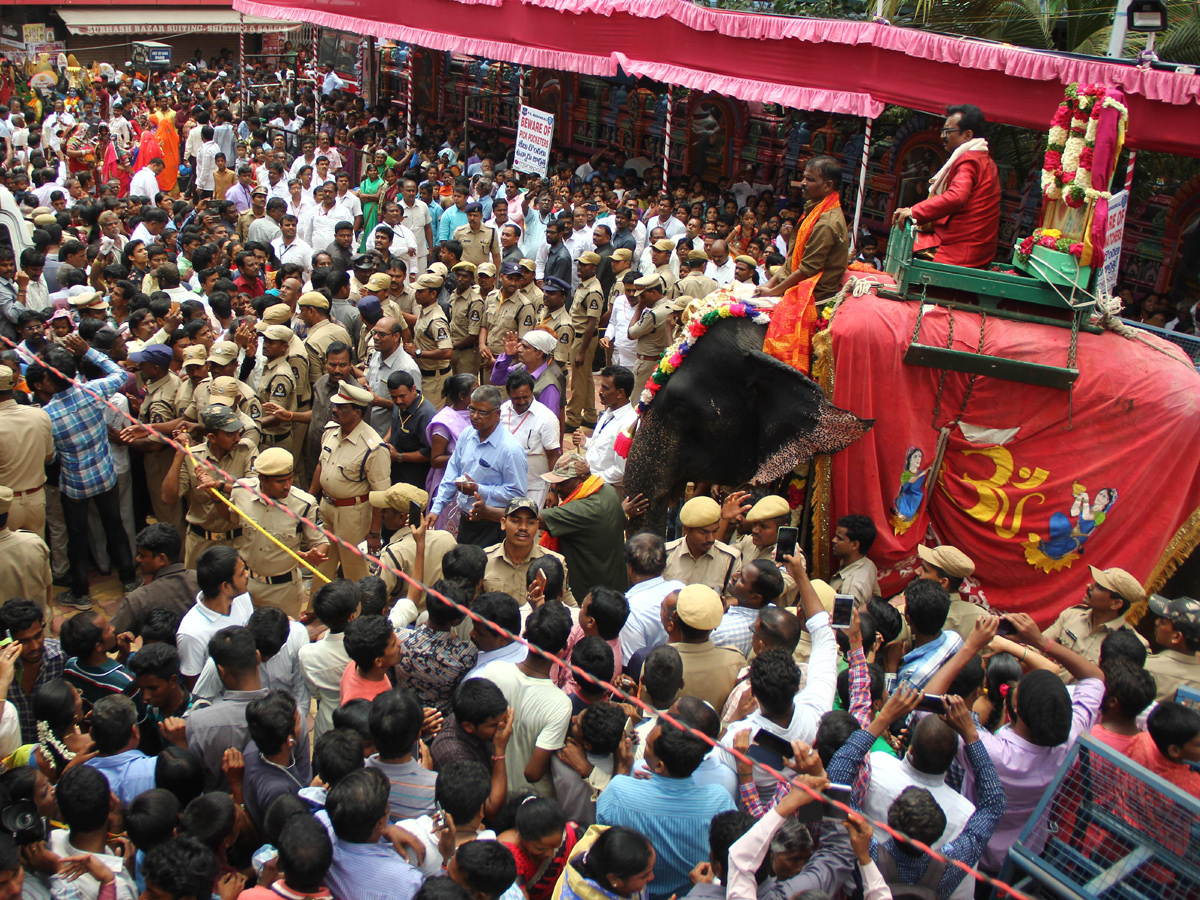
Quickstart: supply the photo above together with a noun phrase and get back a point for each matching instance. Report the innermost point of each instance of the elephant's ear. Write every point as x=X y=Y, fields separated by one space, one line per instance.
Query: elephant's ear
x=796 y=422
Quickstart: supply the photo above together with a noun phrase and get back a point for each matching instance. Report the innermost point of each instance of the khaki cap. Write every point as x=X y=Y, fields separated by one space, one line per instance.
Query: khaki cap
x=6 y=499
x=8 y=378
x=315 y=299
x=380 y=281
x=224 y=390
x=699 y=512
x=589 y=258
x=278 y=333
x=623 y=253
x=697 y=255
x=699 y=607
x=664 y=244
x=438 y=269
x=398 y=496
x=527 y=264
x=648 y=283
x=486 y=269
x=83 y=298
x=274 y=461
x=277 y=314
x=196 y=355
x=45 y=219
x=770 y=507
x=429 y=281
x=748 y=260
x=949 y=559
x=351 y=394
x=464 y=266
x=1119 y=582
x=223 y=353
x=825 y=593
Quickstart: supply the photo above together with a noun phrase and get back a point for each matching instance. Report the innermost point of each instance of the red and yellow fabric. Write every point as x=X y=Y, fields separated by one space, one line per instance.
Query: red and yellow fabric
x=794 y=319
x=586 y=488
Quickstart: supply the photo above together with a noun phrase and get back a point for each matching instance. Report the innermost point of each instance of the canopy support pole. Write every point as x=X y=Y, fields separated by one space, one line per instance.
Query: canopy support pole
x=862 y=188
x=1129 y=171
x=242 y=62
x=409 y=134
x=316 y=49
x=667 y=138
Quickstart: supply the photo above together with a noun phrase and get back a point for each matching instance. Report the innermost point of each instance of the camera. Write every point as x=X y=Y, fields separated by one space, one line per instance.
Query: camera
x=22 y=821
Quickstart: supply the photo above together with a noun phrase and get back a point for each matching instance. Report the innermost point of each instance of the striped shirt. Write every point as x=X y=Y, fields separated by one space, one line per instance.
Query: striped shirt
x=95 y=682
x=412 y=787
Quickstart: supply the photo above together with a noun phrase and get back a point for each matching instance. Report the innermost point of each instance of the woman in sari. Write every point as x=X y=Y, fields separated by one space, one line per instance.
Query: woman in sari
x=443 y=432
x=168 y=143
x=148 y=146
x=369 y=191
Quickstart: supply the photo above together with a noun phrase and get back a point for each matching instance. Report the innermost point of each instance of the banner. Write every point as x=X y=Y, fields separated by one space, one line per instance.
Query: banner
x=1036 y=483
x=535 y=132
x=1114 y=236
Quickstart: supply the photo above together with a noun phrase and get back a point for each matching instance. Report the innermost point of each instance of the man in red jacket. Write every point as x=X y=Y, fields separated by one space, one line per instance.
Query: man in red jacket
x=960 y=219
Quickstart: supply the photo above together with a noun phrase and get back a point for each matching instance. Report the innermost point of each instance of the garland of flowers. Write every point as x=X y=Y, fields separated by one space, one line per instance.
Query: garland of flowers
x=702 y=315
x=1071 y=145
x=1051 y=238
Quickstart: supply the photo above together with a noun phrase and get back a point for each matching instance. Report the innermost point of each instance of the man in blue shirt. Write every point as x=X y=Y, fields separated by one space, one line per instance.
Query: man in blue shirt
x=455 y=214
x=114 y=729
x=669 y=808
x=485 y=471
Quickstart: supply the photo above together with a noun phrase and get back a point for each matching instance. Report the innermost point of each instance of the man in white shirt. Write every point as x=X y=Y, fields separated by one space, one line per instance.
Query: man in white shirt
x=404 y=240
x=645 y=560
x=747 y=187
x=665 y=219
x=535 y=428
x=223 y=601
x=289 y=248
x=145 y=180
x=318 y=225
x=616 y=384
x=348 y=200
x=206 y=162
x=720 y=266
x=419 y=221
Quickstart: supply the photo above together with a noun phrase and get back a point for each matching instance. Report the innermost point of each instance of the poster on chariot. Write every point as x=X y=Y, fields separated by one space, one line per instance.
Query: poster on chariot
x=535 y=132
x=1114 y=237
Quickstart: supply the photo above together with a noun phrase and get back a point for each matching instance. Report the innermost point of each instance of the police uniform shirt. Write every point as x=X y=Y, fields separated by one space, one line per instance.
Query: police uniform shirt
x=695 y=285
x=158 y=406
x=248 y=402
x=669 y=279
x=355 y=464
x=320 y=336
x=506 y=576
x=432 y=332
x=278 y=386
x=653 y=329
x=24 y=565
x=1074 y=629
x=714 y=568
x=261 y=555
x=1173 y=670
x=401 y=553
x=477 y=245
x=534 y=296
x=27 y=443
x=503 y=316
x=205 y=510
x=559 y=321
x=297 y=357
x=466 y=315
x=588 y=304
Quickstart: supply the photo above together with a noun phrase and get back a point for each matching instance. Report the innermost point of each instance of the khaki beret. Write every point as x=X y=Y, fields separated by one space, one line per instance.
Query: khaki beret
x=770 y=507
x=748 y=260
x=351 y=394
x=223 y=353
x=700 y=607
x=1119 y=582
x=589 y=258
x=700 y=512
x=623 y=253
x=949 y=559
x=697 y=255
x=664 y=244
x=429 y=281
x=274 y=461
x=8 y=378
x=278 y=333
x=6 y=499
x=398 y=496
x=464 y=266
x=315 y=299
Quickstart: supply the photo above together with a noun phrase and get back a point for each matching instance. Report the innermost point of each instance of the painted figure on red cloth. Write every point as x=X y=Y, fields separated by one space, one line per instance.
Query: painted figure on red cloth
x=959 y=223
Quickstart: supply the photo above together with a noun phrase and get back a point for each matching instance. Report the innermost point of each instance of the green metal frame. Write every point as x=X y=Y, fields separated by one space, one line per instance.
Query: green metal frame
x=915 y=276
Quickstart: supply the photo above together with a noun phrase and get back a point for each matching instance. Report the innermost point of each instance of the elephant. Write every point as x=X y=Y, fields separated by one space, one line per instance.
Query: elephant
x=730 y=414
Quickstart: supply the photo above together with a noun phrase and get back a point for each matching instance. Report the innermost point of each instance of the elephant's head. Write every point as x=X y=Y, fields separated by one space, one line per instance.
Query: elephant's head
x=730 y=414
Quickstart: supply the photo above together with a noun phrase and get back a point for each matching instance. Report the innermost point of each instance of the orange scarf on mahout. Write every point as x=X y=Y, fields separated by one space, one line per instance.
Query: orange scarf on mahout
x=794 y=319
x=586 y=488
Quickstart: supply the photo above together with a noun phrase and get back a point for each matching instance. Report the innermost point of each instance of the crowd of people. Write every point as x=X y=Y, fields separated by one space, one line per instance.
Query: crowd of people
x=252 y=350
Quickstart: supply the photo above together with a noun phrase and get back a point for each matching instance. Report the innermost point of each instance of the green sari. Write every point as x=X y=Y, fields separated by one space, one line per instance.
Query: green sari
x=370 y=208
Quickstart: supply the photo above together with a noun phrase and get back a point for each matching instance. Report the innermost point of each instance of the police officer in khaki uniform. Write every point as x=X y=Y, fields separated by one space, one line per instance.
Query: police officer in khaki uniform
x=275 y=578
x=27 y=448
x=431 y=346
x=480 y=243
x=158 y=408
x=1084 y=627
x=195 y=373
x=696 y=283
x=188 y=478
x=277 y=385
x=556 y=317
x=508 y=561
x=24 y=557
x=765 y=519
x=709 y=671
x=228 y=391
x=698 y=557
x=354 y=461
x=401 y=549
x=466 y=318
x=650 y=327
x=1177 y=630
x=660 y=255
x=528 y=286
x=587 y=308
x=506 y=309
x=322 y=331
x=223 y=364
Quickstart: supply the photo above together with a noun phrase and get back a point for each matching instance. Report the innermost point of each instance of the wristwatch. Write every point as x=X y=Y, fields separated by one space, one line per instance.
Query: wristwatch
x=417 y=352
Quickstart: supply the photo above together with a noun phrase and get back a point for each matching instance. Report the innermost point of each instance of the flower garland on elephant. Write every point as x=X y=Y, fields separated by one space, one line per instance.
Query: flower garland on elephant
x=700 y=316
x=1071 y=145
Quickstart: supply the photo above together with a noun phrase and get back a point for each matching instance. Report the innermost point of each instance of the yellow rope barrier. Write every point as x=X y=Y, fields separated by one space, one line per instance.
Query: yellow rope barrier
x=216 y=492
